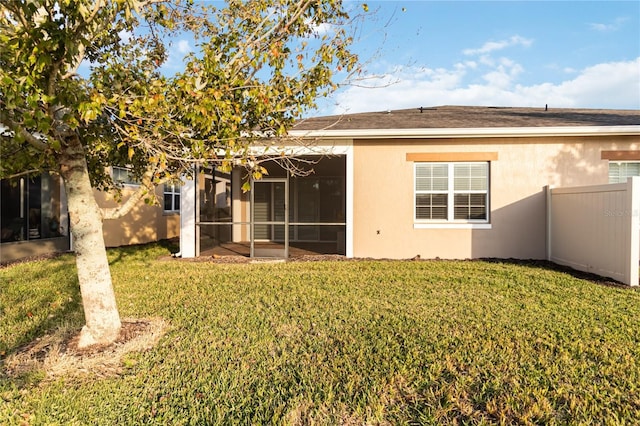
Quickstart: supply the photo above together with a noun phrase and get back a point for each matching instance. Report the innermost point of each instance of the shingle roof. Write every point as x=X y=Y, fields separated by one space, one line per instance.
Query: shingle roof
x=464 y=117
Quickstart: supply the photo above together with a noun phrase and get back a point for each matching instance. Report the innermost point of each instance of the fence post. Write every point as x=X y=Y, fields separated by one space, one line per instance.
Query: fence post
x=633 y=206
x=548 y=194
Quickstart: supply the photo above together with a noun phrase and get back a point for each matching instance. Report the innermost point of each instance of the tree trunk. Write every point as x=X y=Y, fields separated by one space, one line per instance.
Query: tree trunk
x=98 y=299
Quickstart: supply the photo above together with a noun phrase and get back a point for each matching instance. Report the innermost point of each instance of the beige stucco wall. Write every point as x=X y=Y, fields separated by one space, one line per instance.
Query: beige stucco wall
x=21 y=249
x=383 y=194
x=144 y=223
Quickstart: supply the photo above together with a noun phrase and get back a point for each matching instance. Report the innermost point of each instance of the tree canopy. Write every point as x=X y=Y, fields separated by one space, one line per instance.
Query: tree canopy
x=82 y=88
x=94 y=68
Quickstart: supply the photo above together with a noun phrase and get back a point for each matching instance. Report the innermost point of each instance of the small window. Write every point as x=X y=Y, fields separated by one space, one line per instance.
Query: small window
x=124 y=176
x=452 y=192
x=171 y=197
x=620 y=171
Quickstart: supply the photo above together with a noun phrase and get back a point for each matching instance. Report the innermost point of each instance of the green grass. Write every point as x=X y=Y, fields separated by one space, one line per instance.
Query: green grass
x=370 y=342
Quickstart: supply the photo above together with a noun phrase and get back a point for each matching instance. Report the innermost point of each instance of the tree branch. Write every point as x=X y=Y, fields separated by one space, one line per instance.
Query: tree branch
x=19 y=130
x=256 y=38
x=28 y=172
x=15 y=9
x=72 y=69
x=145 y=188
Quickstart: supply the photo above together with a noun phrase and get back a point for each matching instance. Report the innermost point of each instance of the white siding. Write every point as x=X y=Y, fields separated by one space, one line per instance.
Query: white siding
x=188 y=232
x=597 y=229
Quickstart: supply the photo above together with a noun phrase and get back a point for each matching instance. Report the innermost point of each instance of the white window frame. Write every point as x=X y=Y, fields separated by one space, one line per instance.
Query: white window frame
x=450 y=222
x=129 y=182
x=620 y=163
x=171 y=189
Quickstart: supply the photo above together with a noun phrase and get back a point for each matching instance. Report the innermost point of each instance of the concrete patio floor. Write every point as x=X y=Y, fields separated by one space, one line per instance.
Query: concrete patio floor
x=296 y=249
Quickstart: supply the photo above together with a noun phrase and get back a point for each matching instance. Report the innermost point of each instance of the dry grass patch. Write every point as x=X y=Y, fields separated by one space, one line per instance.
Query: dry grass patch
x=57 y=355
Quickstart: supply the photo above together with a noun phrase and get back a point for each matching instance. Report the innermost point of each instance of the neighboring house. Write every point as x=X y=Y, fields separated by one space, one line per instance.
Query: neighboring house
x=145 y=222
x=441 y=182
x=34 y=219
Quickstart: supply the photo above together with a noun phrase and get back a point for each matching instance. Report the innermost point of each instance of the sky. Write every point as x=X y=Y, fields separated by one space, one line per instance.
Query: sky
x=573 y=54
x=564 y=54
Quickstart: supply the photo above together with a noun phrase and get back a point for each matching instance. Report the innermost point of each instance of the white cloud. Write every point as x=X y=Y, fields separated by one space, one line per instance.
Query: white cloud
x=490 y=80
x=184 y=47
x=487 y=60
x=125 y=36
x=492 y=46
x=467 y=64
x=320 y=29
x=608 y=85
x=609 y=27
x=504 y=74
x=323 y=29
x=175 y=56
x=601 y=27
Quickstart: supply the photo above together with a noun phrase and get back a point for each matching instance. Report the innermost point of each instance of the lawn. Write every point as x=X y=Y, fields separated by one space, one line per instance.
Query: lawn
x=366 y=342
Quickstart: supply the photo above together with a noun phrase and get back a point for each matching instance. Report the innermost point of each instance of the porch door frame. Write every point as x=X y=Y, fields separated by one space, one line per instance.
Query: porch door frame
x=272 y=222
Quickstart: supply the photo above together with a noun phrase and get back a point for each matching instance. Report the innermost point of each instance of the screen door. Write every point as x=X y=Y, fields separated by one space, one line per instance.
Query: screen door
x=269 y=218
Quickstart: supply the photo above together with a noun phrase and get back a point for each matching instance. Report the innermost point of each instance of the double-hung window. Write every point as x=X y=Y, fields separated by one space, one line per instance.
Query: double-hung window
x=620 y=171
x=171 y=198
x=451 y=193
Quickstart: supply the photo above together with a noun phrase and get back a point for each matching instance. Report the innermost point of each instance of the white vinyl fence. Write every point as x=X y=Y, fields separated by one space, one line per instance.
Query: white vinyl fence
x=596 y=229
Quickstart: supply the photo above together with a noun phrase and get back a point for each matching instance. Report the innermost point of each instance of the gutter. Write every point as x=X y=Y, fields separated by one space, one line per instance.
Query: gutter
x=480 y=132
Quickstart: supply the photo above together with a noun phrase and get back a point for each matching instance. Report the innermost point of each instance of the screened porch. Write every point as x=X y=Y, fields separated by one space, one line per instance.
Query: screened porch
x=281 y=216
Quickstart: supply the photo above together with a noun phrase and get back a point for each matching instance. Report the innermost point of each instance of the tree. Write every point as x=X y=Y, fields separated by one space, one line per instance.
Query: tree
x=81 y=89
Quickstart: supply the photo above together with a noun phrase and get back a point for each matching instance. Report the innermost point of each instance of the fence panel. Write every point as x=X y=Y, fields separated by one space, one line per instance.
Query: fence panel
x=596 y=229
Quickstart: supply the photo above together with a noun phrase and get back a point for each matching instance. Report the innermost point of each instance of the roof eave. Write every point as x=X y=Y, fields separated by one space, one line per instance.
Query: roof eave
x=482 y=132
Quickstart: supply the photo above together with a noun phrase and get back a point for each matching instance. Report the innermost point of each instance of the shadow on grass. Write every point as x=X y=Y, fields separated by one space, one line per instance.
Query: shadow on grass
x=46 y=291
x=52 y=315
x=550 y=266
x=119 y=254
x=69 y=313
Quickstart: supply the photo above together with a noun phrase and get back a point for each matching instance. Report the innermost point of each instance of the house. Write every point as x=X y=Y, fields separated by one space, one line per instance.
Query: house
x=145 y=222
x=34 y=219
x=447 y=182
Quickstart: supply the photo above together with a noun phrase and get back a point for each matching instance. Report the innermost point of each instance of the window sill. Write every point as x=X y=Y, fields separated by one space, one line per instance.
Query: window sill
x=451 y=226
x=170 y=212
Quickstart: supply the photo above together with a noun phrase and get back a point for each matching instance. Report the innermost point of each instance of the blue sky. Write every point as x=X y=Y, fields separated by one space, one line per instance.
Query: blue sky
x=583 y=54
x=571 y=54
